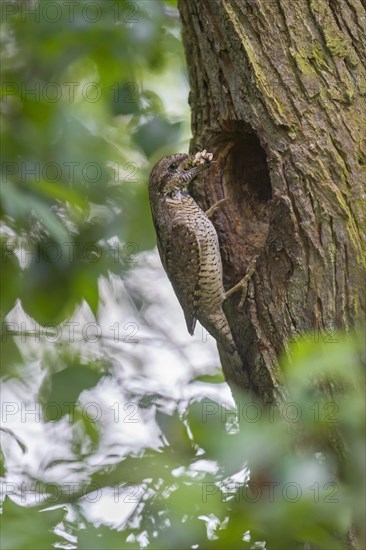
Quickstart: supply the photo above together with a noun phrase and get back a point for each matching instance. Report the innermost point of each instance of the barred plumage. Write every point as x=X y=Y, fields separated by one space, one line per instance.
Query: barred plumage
x=189 y=248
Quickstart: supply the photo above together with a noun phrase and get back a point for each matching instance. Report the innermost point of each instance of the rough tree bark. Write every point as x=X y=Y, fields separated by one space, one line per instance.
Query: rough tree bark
x=278 y=95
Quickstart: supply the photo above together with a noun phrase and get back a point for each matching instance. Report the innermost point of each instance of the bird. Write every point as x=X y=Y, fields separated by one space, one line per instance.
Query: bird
x=189 y=251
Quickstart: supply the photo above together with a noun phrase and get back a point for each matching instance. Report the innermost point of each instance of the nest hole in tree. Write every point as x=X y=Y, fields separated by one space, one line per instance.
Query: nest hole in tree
x=242 y=162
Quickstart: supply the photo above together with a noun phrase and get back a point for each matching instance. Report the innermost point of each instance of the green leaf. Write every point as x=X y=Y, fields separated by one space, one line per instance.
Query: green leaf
x=29 y=528
x=60 y=192
x=62 y=390
x=86 y=285
x=9 y=277
x=19 y=204
x=157 y=133
x=217 y=378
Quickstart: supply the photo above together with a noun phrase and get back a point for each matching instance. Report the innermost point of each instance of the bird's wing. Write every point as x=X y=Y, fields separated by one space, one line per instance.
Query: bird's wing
x=183 y=266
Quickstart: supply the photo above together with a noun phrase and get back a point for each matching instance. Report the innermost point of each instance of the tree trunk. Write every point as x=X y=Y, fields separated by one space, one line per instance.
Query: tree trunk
x=278 y=95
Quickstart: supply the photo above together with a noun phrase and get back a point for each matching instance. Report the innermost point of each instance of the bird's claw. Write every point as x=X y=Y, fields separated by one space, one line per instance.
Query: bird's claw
x=242 y=285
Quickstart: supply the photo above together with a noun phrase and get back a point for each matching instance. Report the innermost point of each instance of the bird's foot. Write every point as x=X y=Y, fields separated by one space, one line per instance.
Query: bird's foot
x=243 y=284
x=215 y=207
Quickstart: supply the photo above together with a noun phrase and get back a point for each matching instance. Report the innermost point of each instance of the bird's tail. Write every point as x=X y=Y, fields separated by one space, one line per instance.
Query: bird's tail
x=232 y=364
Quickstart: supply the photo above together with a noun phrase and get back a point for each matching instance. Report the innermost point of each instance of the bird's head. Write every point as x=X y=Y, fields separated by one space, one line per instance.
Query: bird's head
x=174 y=173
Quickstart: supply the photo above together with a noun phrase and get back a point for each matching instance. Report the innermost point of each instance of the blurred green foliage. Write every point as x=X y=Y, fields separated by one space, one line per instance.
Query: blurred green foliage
x=80 y=126
x=226 y=479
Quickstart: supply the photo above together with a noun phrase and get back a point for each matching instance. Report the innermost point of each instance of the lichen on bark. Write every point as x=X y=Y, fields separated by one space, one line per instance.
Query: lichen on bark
x=278 y=95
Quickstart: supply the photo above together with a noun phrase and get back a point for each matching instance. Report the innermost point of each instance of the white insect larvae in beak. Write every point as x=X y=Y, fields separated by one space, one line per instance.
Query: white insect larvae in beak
x=202 y=157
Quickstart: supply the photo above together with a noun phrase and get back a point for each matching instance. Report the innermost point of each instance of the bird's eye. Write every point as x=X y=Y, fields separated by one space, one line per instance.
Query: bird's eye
x=173 y=166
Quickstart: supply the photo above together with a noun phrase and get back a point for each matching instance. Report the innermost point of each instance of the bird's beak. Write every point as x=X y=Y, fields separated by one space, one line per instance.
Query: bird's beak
x=192 y=171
